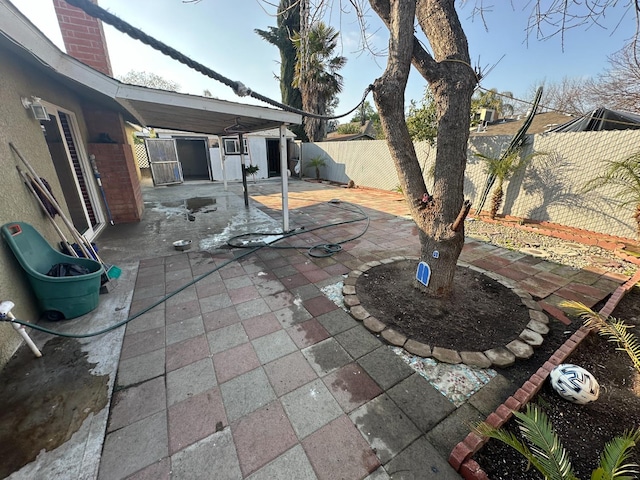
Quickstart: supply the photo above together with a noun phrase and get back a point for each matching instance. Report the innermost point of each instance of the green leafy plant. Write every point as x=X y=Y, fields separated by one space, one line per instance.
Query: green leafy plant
x=624 y=174
x=348 y=128
x=544 y=450
x=614 y=329
x=502 y=168
x=316 y=162
x=252 y=170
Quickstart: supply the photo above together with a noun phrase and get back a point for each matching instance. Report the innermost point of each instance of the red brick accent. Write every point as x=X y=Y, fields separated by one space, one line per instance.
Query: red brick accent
x=83 y=36
x=470 y=470
x=558 y=357
x=632 y=281
x=474 y=441
x=459 y=454
x=624 y=256
x=580 y=334
x=522 y=396
x=530 y=387
x=504 y=413
x=512 y=404
x=537 y=379
x=120 y=180
x=565 y=349
x=555 y=312
x=542 y=373
x=494 y=420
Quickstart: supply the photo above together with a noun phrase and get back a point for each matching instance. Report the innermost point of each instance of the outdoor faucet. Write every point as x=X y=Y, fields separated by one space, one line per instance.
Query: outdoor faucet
x=6 y=315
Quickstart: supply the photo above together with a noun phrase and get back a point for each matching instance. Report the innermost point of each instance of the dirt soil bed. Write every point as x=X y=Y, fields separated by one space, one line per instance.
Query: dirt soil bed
x=482 y=314
x=583 y=429
x=387 y=293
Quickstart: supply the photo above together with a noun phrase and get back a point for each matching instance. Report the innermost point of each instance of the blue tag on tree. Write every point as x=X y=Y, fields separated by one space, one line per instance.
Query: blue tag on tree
x=423 y=274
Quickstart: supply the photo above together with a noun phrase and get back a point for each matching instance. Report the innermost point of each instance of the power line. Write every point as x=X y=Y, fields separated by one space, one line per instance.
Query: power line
x=238 y=87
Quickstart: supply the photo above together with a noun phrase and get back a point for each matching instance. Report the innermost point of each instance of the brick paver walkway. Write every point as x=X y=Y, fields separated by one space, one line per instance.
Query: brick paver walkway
x=253 y=372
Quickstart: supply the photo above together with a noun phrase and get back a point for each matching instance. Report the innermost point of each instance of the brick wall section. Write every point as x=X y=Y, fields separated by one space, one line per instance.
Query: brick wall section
x=120 y=180
x=115 y=162
x=83 y=36
x=100 y=121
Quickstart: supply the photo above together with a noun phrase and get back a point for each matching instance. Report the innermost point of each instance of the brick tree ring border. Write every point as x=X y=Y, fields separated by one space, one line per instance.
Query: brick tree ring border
x=519 y=348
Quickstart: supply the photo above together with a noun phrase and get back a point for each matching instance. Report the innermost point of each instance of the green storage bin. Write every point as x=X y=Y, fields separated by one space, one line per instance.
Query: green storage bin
x=58 y=297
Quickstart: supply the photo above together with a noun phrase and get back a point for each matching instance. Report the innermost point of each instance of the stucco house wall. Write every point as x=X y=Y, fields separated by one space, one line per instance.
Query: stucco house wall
x=18 y=126
x=257 y=155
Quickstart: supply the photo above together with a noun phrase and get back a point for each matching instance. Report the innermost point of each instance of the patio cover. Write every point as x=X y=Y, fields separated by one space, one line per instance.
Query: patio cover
x=601 y=119
x=145 y=106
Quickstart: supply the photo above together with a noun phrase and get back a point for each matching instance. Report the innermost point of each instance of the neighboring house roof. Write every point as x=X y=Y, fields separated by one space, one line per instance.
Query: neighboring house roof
x=367 y=132
x=146 y=106
x=542 y=122
x=601 y=119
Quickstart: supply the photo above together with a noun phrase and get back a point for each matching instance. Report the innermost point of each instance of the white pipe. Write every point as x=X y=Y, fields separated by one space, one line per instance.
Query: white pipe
x=284 y=177
x=5 y=312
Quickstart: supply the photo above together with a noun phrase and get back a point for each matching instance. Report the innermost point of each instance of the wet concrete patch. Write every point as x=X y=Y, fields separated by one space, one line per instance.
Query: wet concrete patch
x=187 y=208
x=44 y=401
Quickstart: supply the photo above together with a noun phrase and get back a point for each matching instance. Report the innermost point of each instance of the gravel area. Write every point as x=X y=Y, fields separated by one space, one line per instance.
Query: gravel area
x=553 y=249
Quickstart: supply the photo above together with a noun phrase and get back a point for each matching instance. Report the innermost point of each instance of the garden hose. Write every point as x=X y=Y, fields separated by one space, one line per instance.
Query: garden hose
x=329 y=249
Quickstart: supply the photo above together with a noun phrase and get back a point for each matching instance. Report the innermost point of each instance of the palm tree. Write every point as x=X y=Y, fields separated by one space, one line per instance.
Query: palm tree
x=502 y=168
x=316 y=162
x=614 y=329
x=288 y=24
x=548 y=455
x=317 y=74
x=624 y=174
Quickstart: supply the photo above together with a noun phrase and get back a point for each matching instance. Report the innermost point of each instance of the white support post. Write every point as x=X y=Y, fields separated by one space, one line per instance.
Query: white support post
x=222 y=161
x=284 y=163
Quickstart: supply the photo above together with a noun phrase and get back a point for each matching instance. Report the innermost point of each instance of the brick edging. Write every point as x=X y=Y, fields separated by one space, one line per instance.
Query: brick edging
x=519 y=348
x=460 y=457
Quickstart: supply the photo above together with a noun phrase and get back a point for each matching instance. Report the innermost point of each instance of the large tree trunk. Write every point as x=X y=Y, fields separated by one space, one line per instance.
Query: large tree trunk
x=452 y=80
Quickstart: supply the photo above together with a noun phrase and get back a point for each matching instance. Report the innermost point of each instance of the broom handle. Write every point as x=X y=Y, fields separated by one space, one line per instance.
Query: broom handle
x=84 y=245
x=76 y=235
x=27 y=182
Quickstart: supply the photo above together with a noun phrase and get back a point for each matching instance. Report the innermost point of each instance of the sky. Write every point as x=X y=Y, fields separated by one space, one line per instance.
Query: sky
x=220 y=34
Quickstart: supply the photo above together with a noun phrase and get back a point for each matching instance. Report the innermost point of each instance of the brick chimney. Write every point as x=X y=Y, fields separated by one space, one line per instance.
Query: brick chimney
x=83 y=36
x=107 y=138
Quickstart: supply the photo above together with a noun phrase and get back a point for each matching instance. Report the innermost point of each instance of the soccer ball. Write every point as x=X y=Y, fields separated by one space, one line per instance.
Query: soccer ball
x=574 y=383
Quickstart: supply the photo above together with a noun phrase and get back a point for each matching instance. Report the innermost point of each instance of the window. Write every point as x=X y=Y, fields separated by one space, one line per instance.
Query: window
x=231 y=146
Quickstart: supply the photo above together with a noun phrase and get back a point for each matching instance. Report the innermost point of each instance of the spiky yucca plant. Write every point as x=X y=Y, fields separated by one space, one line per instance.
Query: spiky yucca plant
x=547 y=454
x=614 y=329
